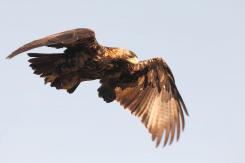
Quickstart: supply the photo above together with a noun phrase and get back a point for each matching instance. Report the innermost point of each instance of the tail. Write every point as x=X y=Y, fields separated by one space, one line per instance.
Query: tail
x=56 y=70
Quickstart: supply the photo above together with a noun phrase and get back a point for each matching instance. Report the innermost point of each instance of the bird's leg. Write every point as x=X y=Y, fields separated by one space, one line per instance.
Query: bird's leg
x=107 y=92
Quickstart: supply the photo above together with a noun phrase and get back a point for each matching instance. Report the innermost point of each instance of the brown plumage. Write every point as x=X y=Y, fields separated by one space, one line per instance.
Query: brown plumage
x=146 y=88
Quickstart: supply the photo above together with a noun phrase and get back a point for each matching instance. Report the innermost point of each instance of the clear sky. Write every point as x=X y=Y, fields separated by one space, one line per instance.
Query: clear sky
x=203 y=43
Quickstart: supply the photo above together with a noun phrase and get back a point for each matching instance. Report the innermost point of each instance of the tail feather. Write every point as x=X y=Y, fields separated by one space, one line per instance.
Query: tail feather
x=72 y=89
x=38 y=58
x=42 y=69
x=44 y=54
x=51 y=67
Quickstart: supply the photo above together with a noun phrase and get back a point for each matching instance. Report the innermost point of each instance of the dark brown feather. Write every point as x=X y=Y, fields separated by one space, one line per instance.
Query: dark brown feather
x=56 y=70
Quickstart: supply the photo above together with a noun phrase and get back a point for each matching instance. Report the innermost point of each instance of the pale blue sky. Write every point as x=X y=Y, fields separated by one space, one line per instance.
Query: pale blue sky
x=203 y=43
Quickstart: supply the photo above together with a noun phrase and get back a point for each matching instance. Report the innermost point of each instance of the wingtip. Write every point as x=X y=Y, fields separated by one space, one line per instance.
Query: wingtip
x=9 y=57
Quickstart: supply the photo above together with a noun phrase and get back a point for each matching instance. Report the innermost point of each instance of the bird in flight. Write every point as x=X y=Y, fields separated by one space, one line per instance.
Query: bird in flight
x=146 y=88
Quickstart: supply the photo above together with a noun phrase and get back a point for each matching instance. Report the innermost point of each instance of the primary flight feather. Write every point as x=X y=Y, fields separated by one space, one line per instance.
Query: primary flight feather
x=146 y=88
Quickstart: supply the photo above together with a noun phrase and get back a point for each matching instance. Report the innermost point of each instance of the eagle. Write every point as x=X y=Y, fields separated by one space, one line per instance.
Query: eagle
x=146 y=88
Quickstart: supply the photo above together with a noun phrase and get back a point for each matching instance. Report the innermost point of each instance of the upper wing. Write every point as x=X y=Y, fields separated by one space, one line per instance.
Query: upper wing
x=72 y=38
x=154 y=98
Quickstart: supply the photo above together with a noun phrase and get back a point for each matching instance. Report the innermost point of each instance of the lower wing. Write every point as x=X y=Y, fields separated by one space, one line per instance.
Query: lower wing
x=151 y=95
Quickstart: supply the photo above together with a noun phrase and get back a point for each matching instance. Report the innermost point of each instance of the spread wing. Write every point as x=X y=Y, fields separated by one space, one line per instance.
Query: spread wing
x=153 y=97
x=76 y=38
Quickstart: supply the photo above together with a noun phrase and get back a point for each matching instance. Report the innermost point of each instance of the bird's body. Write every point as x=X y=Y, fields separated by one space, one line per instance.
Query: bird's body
x=146 y=88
